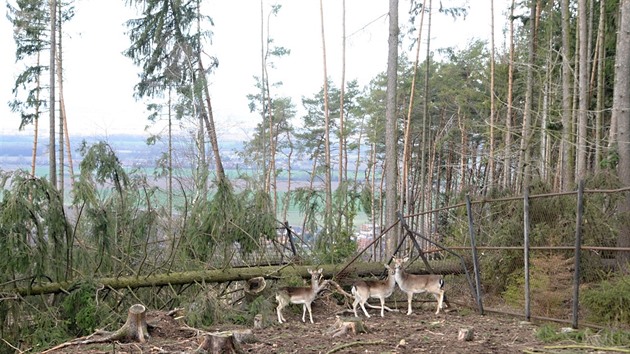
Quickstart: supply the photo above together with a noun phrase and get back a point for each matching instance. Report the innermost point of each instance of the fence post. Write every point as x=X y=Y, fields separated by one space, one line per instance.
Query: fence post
x=578 y=247
x=526 y=225
x=474 y=254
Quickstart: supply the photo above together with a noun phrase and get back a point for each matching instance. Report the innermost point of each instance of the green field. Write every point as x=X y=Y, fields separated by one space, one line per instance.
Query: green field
x=294 y=216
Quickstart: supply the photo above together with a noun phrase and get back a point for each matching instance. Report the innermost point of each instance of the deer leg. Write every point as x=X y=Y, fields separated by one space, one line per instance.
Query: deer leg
x=382 y=307
x=364 y=310
x=279 y=311
x=409 y=299
x=440 y=300
x=307 y=305
x=356 y=302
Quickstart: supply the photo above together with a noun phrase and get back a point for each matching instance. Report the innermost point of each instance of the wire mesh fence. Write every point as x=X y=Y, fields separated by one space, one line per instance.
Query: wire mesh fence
x=532 y=255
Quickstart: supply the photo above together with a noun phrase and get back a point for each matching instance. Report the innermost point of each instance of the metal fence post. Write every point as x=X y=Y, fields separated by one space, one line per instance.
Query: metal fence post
x=474 y=254
x=578 y=247
x=528 y=313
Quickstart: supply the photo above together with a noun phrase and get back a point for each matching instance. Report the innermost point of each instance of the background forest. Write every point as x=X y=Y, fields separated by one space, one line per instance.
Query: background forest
x=548 y=110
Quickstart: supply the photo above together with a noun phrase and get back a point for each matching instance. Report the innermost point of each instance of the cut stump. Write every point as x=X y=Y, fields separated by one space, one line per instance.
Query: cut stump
x=344 y=324
x=465 y=334
x=135 y=328
x=219 y=343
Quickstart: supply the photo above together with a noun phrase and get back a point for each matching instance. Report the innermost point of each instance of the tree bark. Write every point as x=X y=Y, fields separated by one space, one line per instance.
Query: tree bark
x=621 y=112
x=565 y=166
x=405 y=189
x=391 y=129
x=490 y=185
x=218 y=343
x=52 y=159
x=336 y=271
x=209 y=120
x=135 y=329
x=507 y=158
x=327 y=167
x=524 y=162
x=583 y=91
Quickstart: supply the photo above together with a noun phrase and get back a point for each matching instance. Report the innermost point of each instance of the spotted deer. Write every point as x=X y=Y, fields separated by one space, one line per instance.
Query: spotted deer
x=300 y=295
x=362 y=290
x=418 y=283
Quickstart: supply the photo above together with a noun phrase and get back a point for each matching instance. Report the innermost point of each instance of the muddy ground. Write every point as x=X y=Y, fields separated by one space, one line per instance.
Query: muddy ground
x=420 y=332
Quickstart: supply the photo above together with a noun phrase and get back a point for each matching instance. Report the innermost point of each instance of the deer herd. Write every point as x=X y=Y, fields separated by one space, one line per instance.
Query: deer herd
x=363 y=290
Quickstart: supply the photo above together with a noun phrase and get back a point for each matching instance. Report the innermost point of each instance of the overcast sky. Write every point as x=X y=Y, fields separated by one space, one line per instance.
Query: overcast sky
x=99 y=80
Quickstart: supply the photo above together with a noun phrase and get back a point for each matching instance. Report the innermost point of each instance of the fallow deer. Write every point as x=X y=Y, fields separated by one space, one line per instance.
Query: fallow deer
x=418 y=283
x=381 y=289
x=300 y=295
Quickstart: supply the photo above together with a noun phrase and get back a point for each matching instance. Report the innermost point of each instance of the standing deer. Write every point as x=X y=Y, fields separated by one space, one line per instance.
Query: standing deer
x=381 y=289
x=416 y=284
x=300 y=295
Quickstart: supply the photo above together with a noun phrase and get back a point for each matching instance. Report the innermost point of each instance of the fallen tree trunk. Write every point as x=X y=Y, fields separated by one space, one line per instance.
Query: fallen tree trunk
x=350 y=273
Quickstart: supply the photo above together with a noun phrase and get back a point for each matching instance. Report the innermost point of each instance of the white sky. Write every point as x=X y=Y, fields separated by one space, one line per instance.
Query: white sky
x=99 y=80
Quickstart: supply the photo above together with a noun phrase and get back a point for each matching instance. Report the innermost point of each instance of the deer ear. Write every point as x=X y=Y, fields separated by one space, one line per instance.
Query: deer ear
x=321 y=270
x=405 y=259
x=309 y=270
x=387 y=266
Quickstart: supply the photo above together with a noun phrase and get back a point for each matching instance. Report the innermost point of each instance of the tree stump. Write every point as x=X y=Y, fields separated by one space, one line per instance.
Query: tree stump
x=259 y=321
x=219 y=343
x=345 y=324
x=253 y=288
x=135 y=328
x=465 y=334
x=243 y=336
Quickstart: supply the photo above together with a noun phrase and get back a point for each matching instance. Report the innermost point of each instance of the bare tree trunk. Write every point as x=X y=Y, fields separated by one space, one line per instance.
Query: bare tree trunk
x=36 y=124
x=52 y=158
x=426 y=122
x=507 y=158
x=263 y=94
x=524 y=163
x=583 y=91
x=287 y=193
x=64 y=136
x=544 y=132
x=209 y=120
x=271 y=176
x=391 y=130
x=463 y=144
x=61 y=166
x=343 y=157
x=565 y=144
x=621 y=113
x=490 y=184
x=600 y=86
x=170 y=160
x=342 y=135
x=327 y=182
x=267 y=111
x=405 y=192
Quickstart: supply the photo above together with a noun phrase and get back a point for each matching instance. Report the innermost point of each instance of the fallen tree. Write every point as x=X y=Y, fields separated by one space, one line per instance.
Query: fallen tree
x=343 y=274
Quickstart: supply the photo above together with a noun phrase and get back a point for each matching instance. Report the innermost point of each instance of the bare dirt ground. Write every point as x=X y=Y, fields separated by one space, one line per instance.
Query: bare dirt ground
x=420 y=332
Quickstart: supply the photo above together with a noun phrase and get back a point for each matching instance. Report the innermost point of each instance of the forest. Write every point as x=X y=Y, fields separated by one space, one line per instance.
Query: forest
x=545 y=112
